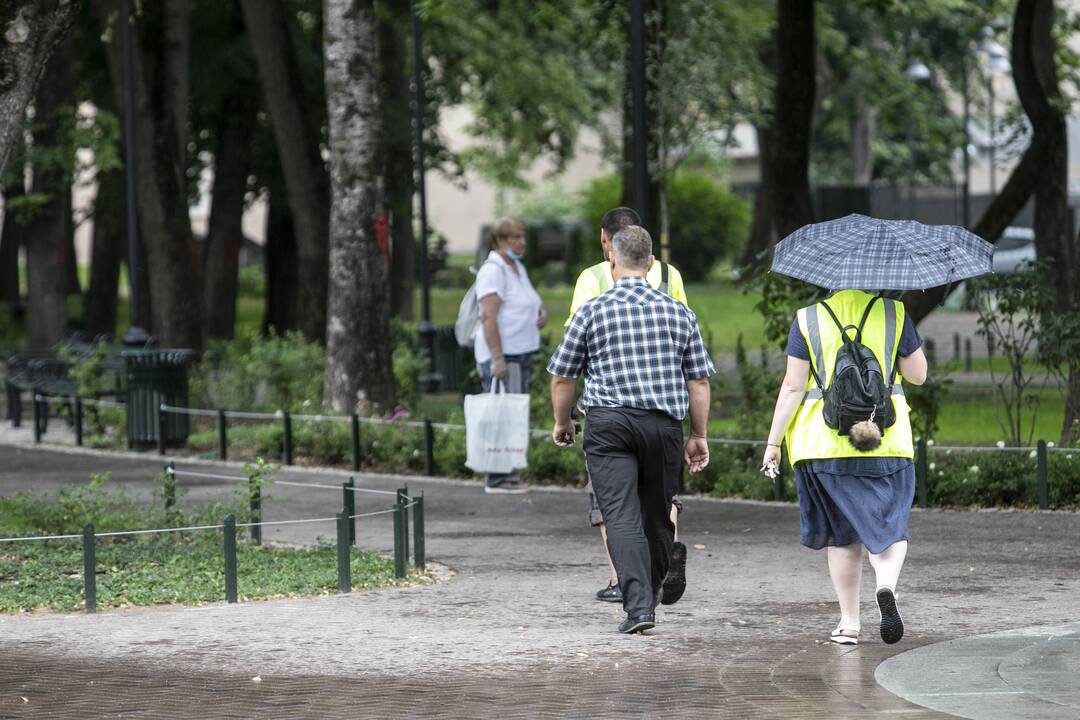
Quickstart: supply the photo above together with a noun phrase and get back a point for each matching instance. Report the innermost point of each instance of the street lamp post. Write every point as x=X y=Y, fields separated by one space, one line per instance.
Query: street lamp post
x=997 y=61
x=639 y=140
x=426 y=329
x=966 y=93
x=136 y=333
x=916 y=72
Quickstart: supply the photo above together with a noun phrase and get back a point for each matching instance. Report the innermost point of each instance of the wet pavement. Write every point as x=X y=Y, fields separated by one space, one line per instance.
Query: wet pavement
x=511 y=629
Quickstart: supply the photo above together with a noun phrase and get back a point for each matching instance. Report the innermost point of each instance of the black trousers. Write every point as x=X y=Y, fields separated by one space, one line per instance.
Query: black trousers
x=635 y=463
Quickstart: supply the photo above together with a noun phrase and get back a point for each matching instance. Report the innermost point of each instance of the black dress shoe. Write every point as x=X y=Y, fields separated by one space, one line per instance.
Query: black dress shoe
x=611 y=593
x=675 y=581
x=646 y=621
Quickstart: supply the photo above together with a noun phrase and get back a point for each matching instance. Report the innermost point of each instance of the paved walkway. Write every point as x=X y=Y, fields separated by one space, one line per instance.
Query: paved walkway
x=513 y=631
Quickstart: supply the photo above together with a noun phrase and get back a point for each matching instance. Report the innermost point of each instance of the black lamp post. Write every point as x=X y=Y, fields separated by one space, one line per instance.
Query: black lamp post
x=917 y=72
x=639 y=139
x=136 y=334
x=426 y=328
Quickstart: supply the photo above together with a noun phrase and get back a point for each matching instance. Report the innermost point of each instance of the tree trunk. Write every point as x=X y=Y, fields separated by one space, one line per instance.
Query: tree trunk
x=280 y=263
x=47 y=233
x=225 y=236
x=1028 y=173
x=10 y=241
x=400 y=167
x=863 y=124
x=298 y=146
x=1039 y=93
x=100 y=302
x=32 y=29
x=359 y=372
x=164 y=224
x=793 y=115
x=762 y=235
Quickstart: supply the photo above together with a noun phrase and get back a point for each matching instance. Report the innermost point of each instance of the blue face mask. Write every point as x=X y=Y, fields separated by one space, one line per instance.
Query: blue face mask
x=513 y=255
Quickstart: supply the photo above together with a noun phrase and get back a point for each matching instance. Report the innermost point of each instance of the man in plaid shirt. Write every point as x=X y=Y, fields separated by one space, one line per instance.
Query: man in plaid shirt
x=645 y=366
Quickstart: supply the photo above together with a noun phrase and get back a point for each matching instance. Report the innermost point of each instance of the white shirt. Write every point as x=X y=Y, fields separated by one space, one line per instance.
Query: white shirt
x=518 y=311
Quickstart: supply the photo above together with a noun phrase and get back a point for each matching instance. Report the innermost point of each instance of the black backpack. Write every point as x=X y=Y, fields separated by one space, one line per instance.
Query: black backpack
x=859 y=390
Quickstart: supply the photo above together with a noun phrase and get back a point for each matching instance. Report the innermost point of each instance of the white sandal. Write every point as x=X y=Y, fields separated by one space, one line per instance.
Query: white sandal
x=840 y=638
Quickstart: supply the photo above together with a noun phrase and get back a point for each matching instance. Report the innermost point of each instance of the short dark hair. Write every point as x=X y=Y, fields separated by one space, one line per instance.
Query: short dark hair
x=618 y=218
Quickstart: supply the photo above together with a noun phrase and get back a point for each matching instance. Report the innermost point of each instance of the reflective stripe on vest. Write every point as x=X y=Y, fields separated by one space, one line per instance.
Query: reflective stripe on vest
x=808 y=436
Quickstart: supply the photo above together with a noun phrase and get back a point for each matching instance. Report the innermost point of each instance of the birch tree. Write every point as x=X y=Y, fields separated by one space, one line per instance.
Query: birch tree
x=359 y=374
x=32 y=29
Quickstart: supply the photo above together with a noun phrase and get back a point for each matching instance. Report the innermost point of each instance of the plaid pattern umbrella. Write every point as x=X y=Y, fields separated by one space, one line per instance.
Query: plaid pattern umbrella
x=863 y=253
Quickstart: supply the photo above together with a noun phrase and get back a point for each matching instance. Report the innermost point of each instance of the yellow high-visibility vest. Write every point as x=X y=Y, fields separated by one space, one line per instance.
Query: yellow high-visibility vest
x=808 y=437
x=596 y=280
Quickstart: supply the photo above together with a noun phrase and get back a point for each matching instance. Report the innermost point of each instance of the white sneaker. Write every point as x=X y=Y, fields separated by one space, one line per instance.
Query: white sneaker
x=510 y=487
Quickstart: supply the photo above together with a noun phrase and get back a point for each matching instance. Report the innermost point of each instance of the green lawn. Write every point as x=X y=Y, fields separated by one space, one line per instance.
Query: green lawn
x=723 y=312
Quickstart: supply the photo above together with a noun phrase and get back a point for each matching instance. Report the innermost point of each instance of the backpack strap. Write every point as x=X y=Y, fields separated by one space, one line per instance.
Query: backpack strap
x=814 y=332
x=866 y=314
x=891 y=346
x=664 y=287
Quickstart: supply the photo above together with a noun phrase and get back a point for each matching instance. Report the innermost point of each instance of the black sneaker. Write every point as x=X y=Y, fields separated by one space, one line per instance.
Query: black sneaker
x=675 y=581
x=637 y=624
x=612 y=593
x=892 y=625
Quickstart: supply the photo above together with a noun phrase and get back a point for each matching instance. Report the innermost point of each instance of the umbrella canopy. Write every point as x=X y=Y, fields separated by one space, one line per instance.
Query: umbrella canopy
x=863 y=253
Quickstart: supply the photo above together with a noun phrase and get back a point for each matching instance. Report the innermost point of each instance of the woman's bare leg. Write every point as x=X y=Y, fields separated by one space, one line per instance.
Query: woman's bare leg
x=889 y=563
x=845 y=569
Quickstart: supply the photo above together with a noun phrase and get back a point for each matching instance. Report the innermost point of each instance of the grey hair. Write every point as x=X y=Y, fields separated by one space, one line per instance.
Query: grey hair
x=633 y=247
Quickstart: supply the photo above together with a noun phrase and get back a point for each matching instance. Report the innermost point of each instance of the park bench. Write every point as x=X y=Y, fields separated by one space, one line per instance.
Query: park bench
x=47 y=373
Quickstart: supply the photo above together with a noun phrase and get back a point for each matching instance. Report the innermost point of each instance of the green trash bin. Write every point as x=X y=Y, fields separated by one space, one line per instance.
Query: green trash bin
x=452 y=361
x=156 y=377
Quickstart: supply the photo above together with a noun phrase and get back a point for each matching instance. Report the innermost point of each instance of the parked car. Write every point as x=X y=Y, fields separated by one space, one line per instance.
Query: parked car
x=1015 y=248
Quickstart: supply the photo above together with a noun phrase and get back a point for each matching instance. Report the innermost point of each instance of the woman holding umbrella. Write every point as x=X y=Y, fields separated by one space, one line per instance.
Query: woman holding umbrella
x=841 y=406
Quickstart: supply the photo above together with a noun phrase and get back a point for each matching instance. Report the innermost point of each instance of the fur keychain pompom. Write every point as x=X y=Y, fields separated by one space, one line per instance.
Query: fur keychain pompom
x=865 y=435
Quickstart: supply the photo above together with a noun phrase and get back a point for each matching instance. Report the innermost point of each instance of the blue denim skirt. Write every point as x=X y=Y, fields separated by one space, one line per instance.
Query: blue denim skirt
x=849 y=501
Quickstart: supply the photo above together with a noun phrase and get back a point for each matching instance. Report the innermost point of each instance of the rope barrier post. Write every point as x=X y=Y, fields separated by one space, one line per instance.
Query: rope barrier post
x=920 y=470
x=168 y=482
x=348 y=502
x=354 y=426
x=967 y=354
x=161 y=431
x=419 y=556
x=255 y=503
x=222 y=437
x=78 y=421
x=286 y=440
x=403 y=501
x=37 y=419
x=230 y=559
x=89 y=568
x=429 y=448
x=344 y=574
x=399 y=536
x=956 y=346
x=1040 y=454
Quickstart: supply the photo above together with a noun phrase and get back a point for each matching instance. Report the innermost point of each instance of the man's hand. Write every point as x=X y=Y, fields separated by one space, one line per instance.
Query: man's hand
x=498 y=368
x=770 y=461
x=541 y=318
x=696 y=453
x=563 y=434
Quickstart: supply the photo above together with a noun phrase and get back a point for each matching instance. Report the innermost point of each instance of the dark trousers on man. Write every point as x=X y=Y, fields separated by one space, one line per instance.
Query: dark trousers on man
x=635 y=462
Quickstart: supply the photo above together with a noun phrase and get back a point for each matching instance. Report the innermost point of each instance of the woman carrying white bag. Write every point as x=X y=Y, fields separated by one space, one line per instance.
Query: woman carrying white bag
x=511 y=315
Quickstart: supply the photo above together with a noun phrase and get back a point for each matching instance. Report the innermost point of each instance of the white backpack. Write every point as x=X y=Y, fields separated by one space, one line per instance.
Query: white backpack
x=468 y=315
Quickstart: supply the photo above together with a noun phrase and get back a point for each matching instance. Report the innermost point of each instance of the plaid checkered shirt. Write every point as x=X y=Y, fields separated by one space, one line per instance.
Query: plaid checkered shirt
x=637 y=347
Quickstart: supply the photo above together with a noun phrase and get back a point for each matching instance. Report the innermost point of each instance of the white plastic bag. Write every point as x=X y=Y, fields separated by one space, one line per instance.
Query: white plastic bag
x=496 y=430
